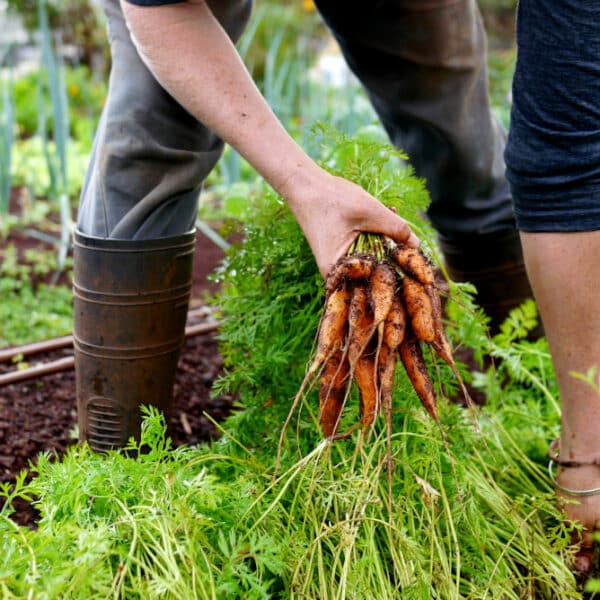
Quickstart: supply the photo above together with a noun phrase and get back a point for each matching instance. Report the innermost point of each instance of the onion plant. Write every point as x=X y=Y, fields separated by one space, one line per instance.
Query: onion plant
x=7 y=126
x=55 y=153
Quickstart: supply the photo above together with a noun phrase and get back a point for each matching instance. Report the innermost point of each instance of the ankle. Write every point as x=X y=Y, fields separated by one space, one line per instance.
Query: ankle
x=576 y=476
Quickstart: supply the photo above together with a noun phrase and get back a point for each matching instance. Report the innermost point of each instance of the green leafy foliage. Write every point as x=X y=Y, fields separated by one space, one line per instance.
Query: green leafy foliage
x=85 y=93
x=79 y=22
x=476 y=522
x=501 y=67
x=29 y=310
x=471 y=489
x=131 y=525
x=6 y=142
x=30 y=168
x=273 y=291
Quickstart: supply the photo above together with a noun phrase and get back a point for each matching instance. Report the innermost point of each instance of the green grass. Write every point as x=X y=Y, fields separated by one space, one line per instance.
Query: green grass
x=501 y=66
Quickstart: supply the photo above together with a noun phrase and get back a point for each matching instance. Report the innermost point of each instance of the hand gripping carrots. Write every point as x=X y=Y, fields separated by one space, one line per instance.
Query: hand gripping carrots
x=381 y=305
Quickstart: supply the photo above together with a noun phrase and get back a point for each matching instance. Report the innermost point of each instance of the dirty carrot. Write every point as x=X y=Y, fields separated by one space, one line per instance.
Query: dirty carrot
x=411 y=355
x=332 y=330
x=360 y=324
x=331 y=337
x=332 y=392
x=366 y=380
x=393 y=333
x=349 y=268
x=382 y=288
x=413 y=262
x=419 y=309
x=440 y=343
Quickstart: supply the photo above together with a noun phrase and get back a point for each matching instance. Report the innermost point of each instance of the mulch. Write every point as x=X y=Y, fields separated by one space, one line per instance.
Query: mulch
x=39 y=415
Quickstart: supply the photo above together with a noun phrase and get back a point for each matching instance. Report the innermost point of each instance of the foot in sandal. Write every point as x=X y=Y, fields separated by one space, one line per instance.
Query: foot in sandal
x=577 y=483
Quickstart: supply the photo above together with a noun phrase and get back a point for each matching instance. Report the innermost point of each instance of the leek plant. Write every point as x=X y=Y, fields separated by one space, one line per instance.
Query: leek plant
x=7 y=126
x=55 y=153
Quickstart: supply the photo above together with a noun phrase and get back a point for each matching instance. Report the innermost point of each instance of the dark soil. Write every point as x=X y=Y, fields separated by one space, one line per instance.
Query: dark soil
x=40 y=414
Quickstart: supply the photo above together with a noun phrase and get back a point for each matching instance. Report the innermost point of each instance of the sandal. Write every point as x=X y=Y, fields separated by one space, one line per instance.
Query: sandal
x=584 y=558
x=553 y=454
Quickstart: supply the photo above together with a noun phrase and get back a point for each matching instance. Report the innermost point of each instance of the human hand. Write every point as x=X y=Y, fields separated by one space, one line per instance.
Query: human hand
x=333 y=211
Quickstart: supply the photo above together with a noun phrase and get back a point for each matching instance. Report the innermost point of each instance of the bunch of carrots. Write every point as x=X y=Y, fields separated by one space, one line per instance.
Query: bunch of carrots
x=381 y=304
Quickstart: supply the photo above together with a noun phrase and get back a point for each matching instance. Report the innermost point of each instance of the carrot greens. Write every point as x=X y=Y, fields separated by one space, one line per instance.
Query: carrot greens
x=472 y=516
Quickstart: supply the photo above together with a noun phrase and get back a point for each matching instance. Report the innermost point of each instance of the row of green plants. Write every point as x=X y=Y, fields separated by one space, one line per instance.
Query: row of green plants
x=31 y=305
x=475 y=518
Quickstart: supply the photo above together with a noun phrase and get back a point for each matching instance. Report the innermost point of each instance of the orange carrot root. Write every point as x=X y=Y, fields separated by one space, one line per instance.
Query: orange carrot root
x=366 y=380
x=394 y=327
x=352 y=268
x=394 y=330
x=419 y=309
x=411 y=355
x=360 y=325
x=382 y=288
x=440 y=342
x=375 y=313
x=413 y=262
x=333 y=328
x=332 y=392
x=441 y=345
x=386 y=369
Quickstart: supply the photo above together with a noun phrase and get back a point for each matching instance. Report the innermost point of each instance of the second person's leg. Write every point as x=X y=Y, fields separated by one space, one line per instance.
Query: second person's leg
x=553 y=160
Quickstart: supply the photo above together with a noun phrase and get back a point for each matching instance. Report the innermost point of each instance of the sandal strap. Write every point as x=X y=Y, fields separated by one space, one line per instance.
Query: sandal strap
x=570 y=491
x=554 y=453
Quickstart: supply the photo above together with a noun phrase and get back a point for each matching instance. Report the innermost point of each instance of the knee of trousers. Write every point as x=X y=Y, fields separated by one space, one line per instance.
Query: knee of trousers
x=439 y=33
x=423 y=65
x=148 y=152
x=150 y=155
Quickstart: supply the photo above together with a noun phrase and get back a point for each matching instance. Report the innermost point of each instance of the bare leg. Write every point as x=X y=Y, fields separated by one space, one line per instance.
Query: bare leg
x=564 y=271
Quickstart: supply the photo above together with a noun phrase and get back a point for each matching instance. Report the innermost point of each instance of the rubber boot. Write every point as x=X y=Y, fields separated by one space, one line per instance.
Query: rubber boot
x=130 y=303
x=494 y=264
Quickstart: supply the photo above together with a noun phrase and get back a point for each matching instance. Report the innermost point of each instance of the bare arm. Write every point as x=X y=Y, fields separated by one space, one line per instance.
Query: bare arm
x=192 y=57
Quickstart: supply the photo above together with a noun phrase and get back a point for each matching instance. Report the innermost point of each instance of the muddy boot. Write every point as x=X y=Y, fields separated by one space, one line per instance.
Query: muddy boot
x=493 y=263
x=131 y=302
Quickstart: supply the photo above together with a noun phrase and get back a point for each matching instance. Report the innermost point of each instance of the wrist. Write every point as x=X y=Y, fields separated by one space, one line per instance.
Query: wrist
x=298 y=183
x=296 y=175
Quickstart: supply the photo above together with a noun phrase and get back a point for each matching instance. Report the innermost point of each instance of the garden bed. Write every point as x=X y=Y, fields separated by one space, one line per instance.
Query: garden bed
x=39 y=415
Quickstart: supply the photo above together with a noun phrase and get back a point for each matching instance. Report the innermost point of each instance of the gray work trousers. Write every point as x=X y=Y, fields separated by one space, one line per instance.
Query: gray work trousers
x=422 y=63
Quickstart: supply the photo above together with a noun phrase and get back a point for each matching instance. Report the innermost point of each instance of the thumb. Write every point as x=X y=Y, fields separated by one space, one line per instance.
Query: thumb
x=390 y=224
